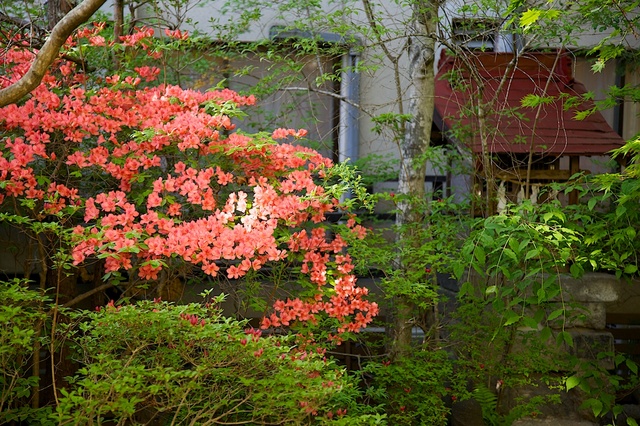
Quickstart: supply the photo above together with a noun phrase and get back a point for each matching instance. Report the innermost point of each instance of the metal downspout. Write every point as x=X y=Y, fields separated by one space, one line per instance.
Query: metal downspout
x=349 y=135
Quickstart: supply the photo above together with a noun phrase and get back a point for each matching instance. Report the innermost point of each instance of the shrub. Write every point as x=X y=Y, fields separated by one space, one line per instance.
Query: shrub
x=187 y=364
x=411 y=389
x=21 y=316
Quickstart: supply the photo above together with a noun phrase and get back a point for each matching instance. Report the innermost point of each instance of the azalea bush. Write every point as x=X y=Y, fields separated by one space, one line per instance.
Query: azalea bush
x=149 y=177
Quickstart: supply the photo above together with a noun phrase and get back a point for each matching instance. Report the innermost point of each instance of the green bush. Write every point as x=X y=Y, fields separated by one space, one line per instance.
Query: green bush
x=158 y=363
x=21 y=318
x=411 y=389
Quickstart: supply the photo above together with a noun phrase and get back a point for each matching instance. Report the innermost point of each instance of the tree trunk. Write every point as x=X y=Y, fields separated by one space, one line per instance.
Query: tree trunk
x=413 y=166
x=118 y=26
x=56 y=9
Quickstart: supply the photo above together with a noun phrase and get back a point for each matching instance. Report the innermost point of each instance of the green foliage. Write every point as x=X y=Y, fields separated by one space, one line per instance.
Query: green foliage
x=411 y=390
x=22 y=316
x=188 y=364
x=607 y=221
x=518 y=256
x=395 y=123
x=428 y=250
x=149 y=360
x=494 y=363
x=512 y=265
x=377 y=168
x=594 y=381
x=531 y=17
x=513 y=284
x=489 y=402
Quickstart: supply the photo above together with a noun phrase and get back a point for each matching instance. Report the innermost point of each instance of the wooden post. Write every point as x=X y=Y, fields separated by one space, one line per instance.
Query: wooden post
x=574 y=167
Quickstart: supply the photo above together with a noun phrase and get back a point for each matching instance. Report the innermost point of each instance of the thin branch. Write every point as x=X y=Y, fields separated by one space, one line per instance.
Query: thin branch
x=527 y=187
x=21 y=23
x=49 y=52
x=87 y=294
x=394 y=59
x=332 y=94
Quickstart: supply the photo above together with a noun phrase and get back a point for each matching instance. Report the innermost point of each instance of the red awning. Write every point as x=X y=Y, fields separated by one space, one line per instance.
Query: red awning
x=514 y=128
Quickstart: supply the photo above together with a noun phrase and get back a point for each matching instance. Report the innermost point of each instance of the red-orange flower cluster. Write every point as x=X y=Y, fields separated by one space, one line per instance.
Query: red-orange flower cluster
x=158 y=173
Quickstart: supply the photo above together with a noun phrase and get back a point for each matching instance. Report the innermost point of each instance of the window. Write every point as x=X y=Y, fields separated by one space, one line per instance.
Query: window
x=486 y=35
x=475 y=34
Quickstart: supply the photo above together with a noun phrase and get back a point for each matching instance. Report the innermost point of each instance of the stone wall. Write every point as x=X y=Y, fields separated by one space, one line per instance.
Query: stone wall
x=590 y=301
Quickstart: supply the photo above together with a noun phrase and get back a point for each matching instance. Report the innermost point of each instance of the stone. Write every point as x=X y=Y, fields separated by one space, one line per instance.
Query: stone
x=592 y=287
x=466 y=413
x=590 y=315
x=552 y=422
x=628 y=302
x=587 y=344
x=561 y=406
x=631 y=411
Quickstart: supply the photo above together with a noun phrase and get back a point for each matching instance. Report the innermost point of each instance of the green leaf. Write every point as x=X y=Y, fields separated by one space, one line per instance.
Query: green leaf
x=458 y=270
x=631 y=422
x=514 y=246
x=598 y=65
x=572 y=382
x=630 y=269
x=617 y=410
x=631 y=366
x=545 y=334
x=512 y=318
x=576 y=270
x=555 y=314
x=480 y=255
x=565 y=337
x=466 y=288
x=532 y=101
x=530 y=17
x=530 y=322
x=532 y=253
x=595 y=405
x=539 y=315
x=509 y=253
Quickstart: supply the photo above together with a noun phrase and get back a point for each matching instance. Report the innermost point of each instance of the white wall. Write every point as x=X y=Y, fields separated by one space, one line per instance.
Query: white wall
x=379 y=93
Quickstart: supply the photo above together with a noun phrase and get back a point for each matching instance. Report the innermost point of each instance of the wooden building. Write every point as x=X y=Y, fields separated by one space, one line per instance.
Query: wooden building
x=524 y=120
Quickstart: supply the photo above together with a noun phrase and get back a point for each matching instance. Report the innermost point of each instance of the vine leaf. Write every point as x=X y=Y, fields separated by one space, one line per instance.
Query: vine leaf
x=572 y=382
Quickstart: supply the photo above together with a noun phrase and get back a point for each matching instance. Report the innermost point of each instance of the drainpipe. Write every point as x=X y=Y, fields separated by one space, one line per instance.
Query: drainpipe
x=349 y=125
x=618 y=109
x=349 y=135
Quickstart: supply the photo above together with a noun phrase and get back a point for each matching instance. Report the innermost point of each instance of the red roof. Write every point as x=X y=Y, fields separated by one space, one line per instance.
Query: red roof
x=556 y=131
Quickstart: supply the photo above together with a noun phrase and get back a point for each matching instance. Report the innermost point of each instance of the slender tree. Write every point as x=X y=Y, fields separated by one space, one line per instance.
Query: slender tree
x=413 y=151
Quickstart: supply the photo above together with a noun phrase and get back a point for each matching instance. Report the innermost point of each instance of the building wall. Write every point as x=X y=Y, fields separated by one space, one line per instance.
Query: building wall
x=598 y=83
x=379 y=91
x=631 y=110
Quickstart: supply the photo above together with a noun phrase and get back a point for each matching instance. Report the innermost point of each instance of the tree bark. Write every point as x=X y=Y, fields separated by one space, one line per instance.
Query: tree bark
x=49 y=52
x=56 y=10
x=118 y=19
x=413 y=165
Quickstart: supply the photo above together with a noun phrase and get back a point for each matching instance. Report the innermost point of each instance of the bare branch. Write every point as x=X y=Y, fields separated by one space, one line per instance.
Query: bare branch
x=329 y=93
x=87 y=294
x=49 y=51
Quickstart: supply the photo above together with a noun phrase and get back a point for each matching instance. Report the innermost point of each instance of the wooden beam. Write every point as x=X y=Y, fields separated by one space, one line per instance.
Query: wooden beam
x=574 y=167
x=519 y=175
